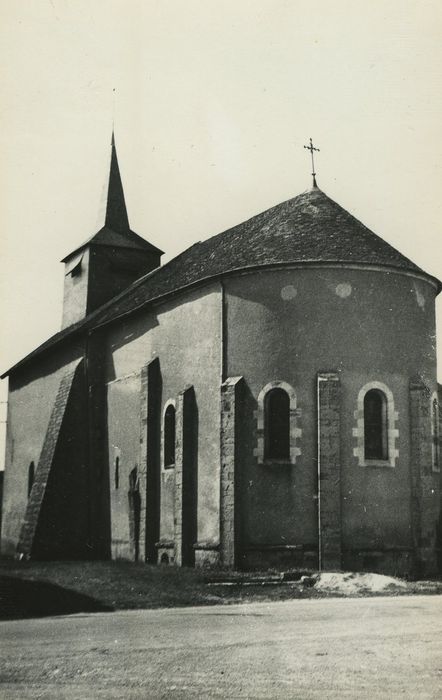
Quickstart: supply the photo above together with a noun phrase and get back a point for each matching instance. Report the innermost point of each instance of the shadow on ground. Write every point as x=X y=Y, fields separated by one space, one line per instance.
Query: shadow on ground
x=21 y=598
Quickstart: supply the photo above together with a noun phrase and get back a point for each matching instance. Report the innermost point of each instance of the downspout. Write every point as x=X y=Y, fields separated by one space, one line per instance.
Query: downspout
x=91 y=481
x=318 y=497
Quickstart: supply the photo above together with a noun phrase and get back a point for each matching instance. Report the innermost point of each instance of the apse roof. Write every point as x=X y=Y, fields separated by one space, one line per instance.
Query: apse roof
x=309 y=229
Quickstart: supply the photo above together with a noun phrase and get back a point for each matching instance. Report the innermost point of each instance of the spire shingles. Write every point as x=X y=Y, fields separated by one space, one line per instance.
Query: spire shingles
x=116 y=212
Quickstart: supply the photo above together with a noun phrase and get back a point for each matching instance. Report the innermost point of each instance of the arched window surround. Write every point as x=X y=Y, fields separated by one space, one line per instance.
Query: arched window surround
x=294 y=416
x=435 y=433
x=166 y=467
x=392 y=433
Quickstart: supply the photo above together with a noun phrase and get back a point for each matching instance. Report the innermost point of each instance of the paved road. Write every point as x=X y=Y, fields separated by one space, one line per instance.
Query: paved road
x=353 y=648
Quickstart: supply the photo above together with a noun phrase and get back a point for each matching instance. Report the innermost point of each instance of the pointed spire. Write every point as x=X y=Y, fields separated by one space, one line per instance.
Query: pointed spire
x=116 y=212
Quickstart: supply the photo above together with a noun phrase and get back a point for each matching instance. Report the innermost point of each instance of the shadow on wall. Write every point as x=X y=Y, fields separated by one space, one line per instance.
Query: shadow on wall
x=2 y=473
x=134 y=498
x=190 y=477
x=244 y=485
x=21 y=599
x=127 y=333
x=61 y=514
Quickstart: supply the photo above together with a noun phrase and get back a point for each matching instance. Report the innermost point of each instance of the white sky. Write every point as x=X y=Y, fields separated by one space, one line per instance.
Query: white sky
x=214 y=101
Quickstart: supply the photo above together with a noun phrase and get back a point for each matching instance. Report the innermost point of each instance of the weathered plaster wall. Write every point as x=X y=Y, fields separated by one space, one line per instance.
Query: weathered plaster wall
x=123 y=403
x=75 y=292
x=376 y=501
x=62 y=519
x=185 y=335
x=288 y=325
x=32 y=394
x=363 y=324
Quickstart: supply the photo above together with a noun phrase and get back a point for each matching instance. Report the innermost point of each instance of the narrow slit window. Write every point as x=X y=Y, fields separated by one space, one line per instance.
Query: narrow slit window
x=277 y=425
x=31 y=477
x=375 y=425
x=117 y=473
x=169 y=437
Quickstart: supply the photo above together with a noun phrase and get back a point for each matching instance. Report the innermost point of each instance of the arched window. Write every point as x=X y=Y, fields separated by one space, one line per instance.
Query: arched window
x=31 y=477
x=435 y=433
x=277 y=425
x=117 y=473
x=169 y=437
x=375 y=425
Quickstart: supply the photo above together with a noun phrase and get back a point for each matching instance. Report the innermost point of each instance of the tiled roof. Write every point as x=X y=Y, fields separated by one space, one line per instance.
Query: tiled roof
x=308 y=229
x=108 y=237
x=116 y=230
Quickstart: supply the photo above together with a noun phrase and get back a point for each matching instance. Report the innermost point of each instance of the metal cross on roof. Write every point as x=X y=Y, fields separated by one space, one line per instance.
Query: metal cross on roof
x=311 y=148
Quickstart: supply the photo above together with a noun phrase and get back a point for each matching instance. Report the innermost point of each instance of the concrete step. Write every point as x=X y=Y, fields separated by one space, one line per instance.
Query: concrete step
x=306 y=578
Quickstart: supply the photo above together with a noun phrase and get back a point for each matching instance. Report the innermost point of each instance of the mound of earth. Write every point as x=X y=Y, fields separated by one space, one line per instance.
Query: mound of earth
x=354 y=583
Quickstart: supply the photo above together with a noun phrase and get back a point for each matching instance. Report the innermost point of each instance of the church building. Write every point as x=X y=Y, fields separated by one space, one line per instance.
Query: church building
x=266 y=399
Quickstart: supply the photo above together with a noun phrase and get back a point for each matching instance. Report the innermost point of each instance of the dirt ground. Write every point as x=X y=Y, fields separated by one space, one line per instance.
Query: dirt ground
x=378 y=647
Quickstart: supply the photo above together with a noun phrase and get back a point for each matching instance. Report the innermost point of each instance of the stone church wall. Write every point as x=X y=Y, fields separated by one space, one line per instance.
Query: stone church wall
x=123 y=405
x=184 y=336
x=57 y=522
x=365 y=326
x=212 y=354
x=32 y=394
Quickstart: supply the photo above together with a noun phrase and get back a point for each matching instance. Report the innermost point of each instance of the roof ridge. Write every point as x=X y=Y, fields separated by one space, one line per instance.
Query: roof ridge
x=310 y=228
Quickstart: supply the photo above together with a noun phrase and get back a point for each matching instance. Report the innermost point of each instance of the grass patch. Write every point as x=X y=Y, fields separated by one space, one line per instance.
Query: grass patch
x=122 y=585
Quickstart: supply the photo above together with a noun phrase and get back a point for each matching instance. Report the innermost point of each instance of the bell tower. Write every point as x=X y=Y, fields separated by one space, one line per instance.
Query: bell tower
x=109 y=261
